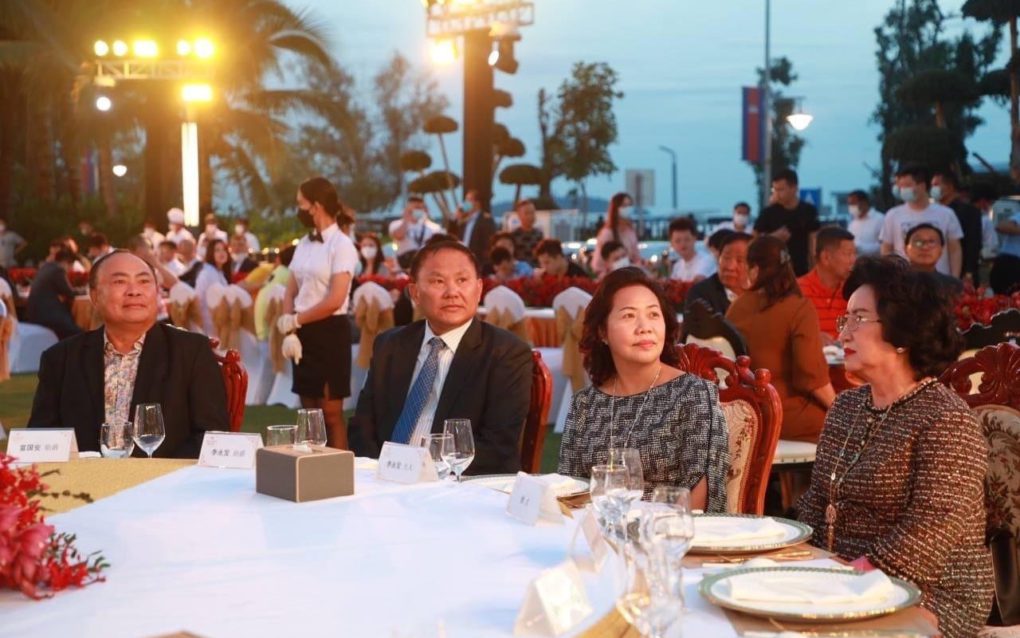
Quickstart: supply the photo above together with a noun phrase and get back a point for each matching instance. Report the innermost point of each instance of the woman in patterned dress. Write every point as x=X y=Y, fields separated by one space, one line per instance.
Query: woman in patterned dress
x=898 y=483
x=639 y=399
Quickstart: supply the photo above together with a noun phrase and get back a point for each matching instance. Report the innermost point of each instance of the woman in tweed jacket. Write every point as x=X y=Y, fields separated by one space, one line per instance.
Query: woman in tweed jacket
x=898 y=483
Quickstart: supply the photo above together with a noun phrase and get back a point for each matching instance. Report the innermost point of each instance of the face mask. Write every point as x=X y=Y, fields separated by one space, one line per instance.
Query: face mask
x=741 y=220
x=210 y=229
x=621 y=263
x=305 y=217
x=907 y=194
x=936 y=192
x=896 y=192
x=238 y=229
x=855 y=211
x=626 y=211
x=467 y=206
x=369 y=252
x=417 y=214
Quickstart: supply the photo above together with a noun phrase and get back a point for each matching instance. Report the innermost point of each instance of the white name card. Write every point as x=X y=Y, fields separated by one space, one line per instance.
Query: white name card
x=597 y=547
x=532 y=499
x=405 y=464
x=235 y=450
x=555 y=602
x=42 y=445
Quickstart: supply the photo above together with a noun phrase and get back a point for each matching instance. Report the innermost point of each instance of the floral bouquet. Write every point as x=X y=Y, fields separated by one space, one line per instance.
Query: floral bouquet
x=974 y=306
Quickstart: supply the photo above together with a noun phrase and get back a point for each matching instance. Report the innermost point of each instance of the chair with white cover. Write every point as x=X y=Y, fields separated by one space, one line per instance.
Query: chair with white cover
x=372 y=306
x=28 y=343
x=8 y=319
x=283 y=375
x=505 y=309
x=565 y=362
x=182 y=305
x=240 y=334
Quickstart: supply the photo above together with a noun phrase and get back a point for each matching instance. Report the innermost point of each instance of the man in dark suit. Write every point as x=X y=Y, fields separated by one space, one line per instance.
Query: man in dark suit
x=100 y=376
x=729 y=282
x=240 y=262
x=51 y=296
x=474 y=227
x=449 y=365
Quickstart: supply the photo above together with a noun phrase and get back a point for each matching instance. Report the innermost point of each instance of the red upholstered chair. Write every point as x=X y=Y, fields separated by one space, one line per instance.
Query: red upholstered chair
x=754 y=417
x=537 y=423
x=235 y=381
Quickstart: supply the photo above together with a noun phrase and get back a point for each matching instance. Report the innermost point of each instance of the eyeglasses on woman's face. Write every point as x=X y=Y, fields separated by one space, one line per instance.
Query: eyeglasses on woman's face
x=851 y=322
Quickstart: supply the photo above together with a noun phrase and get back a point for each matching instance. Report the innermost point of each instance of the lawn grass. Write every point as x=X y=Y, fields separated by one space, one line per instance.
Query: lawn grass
x=16 y=406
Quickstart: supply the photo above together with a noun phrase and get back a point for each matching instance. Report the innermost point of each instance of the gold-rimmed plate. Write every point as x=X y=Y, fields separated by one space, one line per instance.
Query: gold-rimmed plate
x=505 y=483
x=717 y=590
x=787 y=533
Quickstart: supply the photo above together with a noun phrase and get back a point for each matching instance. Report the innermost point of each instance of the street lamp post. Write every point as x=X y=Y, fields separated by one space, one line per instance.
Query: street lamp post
x=766 y=173
x=672 y=156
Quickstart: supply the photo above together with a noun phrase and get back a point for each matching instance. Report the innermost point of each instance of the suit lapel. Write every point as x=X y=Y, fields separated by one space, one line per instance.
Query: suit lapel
x=466 y=360
x=152 y=368
x=93 y=372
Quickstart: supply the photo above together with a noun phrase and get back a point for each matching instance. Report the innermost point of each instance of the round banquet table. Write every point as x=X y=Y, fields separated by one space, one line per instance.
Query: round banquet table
x=196 y=549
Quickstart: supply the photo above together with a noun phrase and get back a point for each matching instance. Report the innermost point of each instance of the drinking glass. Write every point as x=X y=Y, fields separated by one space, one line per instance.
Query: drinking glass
x=667 y=528
x=609 y=495
x=115 y=440
x=281 y=435
x=630 y=458
x=460 y=455
x=149 y=431
x=438 y=446
x=311 y=427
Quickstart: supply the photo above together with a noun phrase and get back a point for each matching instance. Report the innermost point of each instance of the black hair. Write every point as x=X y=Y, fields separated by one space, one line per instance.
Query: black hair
x=949 y=176
x=776 y=279
x=743 y=205
x=549 y=246
x=732 y=236
x=787 y=175
x=319 y=190
x=608 y=248
x=210 y=257
x=98 y=240
x=682 y=225
x=861 y=195
x=831 y=237
x=432 y=247
x=918 y=172
x=498 y=255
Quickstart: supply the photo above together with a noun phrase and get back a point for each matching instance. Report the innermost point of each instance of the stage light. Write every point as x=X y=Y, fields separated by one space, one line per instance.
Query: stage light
x=146 y=49
x=197 y=93
x=119 y=170
x=444 y=52
x=204 y=48
x=120 y=48
x=183 y=48
x=101 y=48
x=104 y=103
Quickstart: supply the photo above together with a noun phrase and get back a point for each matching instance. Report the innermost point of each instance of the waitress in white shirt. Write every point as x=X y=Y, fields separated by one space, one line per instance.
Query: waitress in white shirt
x=315 y=308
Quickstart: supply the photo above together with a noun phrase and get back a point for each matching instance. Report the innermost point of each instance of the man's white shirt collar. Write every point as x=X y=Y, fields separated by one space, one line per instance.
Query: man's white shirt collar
x=451 y=338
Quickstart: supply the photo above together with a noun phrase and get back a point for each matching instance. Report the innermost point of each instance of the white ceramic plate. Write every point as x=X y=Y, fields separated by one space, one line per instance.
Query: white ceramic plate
x=716 y=589
x=793 y=533
x=505 y=483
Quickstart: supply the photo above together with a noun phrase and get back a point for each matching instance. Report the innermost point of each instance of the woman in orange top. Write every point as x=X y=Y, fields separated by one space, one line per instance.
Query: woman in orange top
x=781 y=329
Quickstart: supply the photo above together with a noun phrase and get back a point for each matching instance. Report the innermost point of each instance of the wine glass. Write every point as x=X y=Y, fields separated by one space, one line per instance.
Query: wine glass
x=281 y=435
x=667 y=528
x=460 y=455
x=149 y=431
x=609 y=496
x=115 y=440
x=630 y=458
x=438 y=446
x=311 y=427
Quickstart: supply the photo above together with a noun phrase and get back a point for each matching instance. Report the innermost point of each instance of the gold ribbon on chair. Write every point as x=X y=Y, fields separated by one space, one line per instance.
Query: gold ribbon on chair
x=220 y=315
x=371 y=321
x=6 y=334
x=186 y=315
x=247 y=316
x=568 y=331
x=273 y=310
x=505 y=319
x=233 y=318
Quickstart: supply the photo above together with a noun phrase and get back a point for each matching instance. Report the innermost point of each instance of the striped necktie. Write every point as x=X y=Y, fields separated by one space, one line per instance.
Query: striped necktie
x=419 y=394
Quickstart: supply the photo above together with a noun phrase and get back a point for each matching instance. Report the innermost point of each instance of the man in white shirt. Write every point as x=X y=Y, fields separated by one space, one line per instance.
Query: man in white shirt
x=152 y=236
x=912 y=181
x=188 y=265
x=691 y=266
x=449 y=365
x=865 y=224
x=212 y=232
x=412 y=230
x=242 y=227
x=741 y=222
x=177 y=231
x=10 y=244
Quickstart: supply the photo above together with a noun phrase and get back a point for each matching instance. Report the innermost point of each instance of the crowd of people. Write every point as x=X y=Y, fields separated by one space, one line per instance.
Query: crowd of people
x=898 y=481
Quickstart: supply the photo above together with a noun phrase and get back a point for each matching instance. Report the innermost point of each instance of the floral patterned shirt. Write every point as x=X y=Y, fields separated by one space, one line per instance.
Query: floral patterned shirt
x=120 y=371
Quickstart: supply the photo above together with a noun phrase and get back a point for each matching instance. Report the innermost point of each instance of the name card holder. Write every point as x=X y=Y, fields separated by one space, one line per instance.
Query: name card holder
x=597 y=548
x=555 y=602
x=406 y=464
x=233 y=450
x=532 y=499
x=43 y=445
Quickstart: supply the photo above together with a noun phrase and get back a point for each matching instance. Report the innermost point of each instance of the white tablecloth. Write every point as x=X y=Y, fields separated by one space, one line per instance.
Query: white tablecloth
x=199 y=550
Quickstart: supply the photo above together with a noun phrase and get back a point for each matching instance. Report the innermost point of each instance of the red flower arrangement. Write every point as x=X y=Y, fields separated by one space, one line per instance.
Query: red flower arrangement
x=78 y=279
x=540 y=291
x=33 y=558
x=389 y=283
x=974 y=307
x=22 y=276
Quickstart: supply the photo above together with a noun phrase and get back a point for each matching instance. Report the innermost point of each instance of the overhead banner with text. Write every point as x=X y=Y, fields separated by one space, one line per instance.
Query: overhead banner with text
x=753 y=125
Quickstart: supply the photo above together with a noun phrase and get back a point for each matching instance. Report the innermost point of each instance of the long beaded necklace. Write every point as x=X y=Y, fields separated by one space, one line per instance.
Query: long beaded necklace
x=831 y=512
x=637 y=417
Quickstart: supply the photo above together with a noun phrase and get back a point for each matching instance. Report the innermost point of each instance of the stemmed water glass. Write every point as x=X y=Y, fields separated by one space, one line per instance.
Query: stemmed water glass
x=610 y=496
x=149 y=431
x=438 y=446
x=311 y=427
x=115 y=440
x=629 y=458
x=460 y=455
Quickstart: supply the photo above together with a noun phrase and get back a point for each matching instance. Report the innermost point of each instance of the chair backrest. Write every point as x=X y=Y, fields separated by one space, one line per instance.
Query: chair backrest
x=537 y=423
x=235 y=382
x=754 y=417
x=701 y=322
x=999 y=370
x=1004 y=327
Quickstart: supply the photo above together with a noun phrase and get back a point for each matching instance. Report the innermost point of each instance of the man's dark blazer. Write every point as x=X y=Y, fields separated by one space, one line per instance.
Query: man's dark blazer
x=712 y=291
x=50 y=299
x=489 y=382
x=481 y=235
x=176 y=369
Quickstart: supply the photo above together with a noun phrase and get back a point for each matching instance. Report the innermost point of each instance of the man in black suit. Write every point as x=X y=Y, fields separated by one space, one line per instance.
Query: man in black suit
x=51 y=296
x=474 y=227
x=240 y=262
x=449 y=365
x=729 y=282
x=100 y=376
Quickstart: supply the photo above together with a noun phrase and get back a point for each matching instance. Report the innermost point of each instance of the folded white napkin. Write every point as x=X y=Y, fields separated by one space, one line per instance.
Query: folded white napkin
x=561 y=484
x=713 y=530
x=813 y=588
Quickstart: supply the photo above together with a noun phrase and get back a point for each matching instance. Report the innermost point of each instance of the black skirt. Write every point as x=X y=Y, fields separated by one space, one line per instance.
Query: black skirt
x=325 y=359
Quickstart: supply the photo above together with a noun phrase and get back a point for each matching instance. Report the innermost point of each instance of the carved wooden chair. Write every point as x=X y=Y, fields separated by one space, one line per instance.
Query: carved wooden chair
x=754 y=417
x=235 y=381
x=537 y=423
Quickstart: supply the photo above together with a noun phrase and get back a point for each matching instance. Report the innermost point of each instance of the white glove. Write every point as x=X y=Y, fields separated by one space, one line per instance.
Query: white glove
x=291 y=347
x=287 y=324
